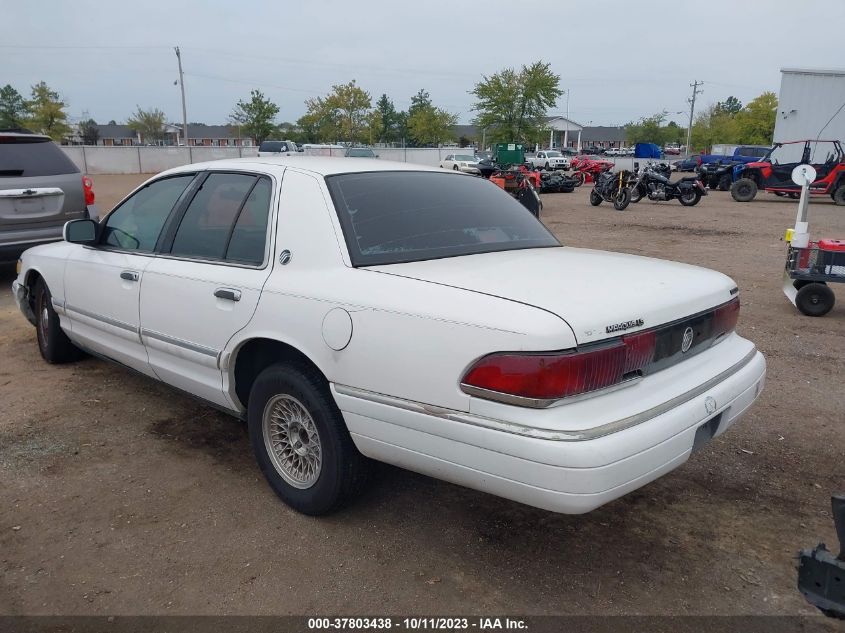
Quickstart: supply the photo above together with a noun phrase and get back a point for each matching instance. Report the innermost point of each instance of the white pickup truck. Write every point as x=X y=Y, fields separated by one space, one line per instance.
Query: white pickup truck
x=548 y=159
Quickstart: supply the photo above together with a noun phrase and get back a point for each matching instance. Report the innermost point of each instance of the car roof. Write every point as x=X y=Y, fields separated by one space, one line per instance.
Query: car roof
x=320 y=165
x=26 y=135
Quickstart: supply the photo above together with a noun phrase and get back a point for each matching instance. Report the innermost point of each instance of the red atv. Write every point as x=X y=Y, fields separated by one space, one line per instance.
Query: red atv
x=773 y=173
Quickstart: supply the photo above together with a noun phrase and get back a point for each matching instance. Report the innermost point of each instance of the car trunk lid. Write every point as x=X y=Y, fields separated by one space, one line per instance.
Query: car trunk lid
x=599 y=294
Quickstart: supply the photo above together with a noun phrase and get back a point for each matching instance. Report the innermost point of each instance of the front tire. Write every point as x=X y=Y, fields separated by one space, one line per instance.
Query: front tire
x=815 y=299
x=595 y=199
x=53 y=343
x=454 y=167
x=620 y=203
x=636 y=194
x=724 y=183
x=839 y=195
x=579 y=178
x=690 y=199
x=744 y=190
x=301 y=442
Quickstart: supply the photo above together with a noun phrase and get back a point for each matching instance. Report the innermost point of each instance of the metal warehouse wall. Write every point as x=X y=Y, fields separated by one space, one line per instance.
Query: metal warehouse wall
x=808 y=98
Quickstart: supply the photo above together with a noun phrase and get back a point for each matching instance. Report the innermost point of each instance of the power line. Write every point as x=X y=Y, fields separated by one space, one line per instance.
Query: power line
x=249 y=82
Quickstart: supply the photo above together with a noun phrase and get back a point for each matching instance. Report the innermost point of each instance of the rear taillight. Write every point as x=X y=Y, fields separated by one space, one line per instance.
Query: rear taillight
x=725 y=317
x=88 y=187
x=564 y=374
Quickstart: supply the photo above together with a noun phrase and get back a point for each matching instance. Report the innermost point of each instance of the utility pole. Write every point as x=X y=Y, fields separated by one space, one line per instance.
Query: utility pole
x=695 y=91
x=182 y=86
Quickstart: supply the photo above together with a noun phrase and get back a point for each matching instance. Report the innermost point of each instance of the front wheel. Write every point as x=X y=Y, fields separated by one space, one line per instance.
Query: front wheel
x=744 y=190
x=690 y=198
x=839 y=195
x=636 y=194
x=622 y=199
x=724 y=183
x=815 y=299
x=301 y=442
x=53 y=343
x=579 y=178
x=595 y=198
x=455 y=167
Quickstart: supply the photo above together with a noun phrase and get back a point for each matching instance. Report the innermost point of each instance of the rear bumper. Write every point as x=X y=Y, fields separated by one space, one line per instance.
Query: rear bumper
x=563 y=476
x=14 y=242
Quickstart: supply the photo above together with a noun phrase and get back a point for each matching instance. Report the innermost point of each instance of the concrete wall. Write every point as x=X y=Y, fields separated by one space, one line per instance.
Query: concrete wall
x=146 y=160
x=151 y=160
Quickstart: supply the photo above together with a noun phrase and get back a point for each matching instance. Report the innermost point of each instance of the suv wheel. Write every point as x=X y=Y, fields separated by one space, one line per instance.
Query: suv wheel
x=744 y=190
x=301 y=442
x=53 y=343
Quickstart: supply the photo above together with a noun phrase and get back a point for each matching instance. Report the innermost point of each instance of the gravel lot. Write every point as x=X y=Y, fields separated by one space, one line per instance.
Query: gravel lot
x=120 y=496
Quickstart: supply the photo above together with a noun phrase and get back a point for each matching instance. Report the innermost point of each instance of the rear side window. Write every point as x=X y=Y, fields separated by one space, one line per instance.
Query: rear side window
x=272 y=146
x=227 y=219
x=390 y=217
x=35 y=157
x=136 y=224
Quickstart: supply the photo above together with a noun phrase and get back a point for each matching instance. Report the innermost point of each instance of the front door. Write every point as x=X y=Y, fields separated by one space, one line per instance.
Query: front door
x=207 y=280
x=102 y=283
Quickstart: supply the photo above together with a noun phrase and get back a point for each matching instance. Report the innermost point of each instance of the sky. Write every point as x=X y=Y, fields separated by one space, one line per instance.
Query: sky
x=618 y=60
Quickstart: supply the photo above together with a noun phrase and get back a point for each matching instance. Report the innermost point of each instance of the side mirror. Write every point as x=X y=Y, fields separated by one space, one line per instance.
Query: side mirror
x=80 y=232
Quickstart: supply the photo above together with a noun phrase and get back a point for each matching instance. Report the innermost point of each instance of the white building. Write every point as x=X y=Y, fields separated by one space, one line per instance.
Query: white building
x=808 y=104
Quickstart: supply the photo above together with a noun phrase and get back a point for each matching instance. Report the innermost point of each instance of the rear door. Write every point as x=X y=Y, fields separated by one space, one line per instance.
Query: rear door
x=205 y=283
x=39 y=185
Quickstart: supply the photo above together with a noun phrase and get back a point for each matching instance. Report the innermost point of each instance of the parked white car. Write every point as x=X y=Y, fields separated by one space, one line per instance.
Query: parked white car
x=277 y=148
x=549 y=159
x=352 y=308
x=466 y=163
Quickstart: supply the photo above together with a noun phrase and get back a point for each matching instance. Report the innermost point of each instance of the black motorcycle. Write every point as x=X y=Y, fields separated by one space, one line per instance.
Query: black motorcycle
x=652 y=184
x=612 y=187
x=556 y=182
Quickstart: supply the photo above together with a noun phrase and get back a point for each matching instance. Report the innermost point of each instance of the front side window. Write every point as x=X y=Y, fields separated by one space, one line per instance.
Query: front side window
x=228 y=213
x=390 y=217
x=136 y=224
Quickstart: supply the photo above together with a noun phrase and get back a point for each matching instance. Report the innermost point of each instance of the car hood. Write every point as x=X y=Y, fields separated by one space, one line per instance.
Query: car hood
x=590 y=290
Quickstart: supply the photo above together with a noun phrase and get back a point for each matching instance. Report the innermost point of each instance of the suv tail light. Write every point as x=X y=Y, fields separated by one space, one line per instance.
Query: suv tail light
x=551 y=376
x=88 y=187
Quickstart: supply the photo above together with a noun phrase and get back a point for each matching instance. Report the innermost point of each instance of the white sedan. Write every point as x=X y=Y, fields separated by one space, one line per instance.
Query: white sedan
x=466 y=163
x=355 y=308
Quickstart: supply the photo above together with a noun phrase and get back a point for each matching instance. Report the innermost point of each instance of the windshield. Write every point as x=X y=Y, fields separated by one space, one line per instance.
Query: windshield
x=361 y=153
x=553 y=154
x=273 y=146
x=465 y=157
x=390 y=217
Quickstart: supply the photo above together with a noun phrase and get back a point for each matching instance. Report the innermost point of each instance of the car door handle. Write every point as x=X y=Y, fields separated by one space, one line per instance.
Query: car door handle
x=228 y=293
x=129 y=275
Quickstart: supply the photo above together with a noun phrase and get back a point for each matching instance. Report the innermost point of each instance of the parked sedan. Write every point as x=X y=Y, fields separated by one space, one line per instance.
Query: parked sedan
x=461 y=162
x=40 y=190
x=351 y=310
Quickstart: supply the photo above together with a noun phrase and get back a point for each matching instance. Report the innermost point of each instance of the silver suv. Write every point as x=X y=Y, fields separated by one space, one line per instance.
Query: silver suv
x=40 y=190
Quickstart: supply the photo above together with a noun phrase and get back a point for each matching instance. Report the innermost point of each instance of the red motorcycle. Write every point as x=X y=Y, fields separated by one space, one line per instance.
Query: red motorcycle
x=587 y=169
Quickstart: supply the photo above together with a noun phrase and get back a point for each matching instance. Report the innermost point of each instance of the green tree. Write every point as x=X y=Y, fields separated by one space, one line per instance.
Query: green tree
x=89 y=131
x=429 y=125
x=756 y=121
x=256 y=117
x=12 y=108
x=342 y=115
x=512 y=104
x=649 y=129
x=47 y=112
x=714 y=125
x=730 y=106
x=388 y=119
x=148 y=124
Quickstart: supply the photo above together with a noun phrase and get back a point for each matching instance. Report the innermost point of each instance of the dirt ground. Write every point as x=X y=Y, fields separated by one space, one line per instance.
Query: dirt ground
x=120 y=496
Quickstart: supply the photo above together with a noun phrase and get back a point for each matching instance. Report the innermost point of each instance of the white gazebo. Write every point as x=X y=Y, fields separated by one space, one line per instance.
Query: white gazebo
x=560 y=126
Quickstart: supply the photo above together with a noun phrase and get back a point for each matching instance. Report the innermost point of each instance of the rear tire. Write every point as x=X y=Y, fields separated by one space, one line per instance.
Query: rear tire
x=53 y=343
x=595 y=199
x=815 y=299
x=744 y=190
x=301 y=442
x=839 y=195
x=690 y=199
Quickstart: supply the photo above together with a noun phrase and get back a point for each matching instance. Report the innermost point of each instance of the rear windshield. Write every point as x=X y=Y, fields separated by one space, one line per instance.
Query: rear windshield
x=360 y=153
x=389 y=217
x=24 y=158
x=273 y=146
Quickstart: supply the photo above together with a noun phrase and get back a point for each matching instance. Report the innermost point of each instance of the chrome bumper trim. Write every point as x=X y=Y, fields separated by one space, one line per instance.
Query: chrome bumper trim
x=546 y=434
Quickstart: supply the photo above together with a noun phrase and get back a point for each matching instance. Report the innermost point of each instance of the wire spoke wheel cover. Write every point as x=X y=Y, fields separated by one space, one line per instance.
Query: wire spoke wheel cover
x=292 y=441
